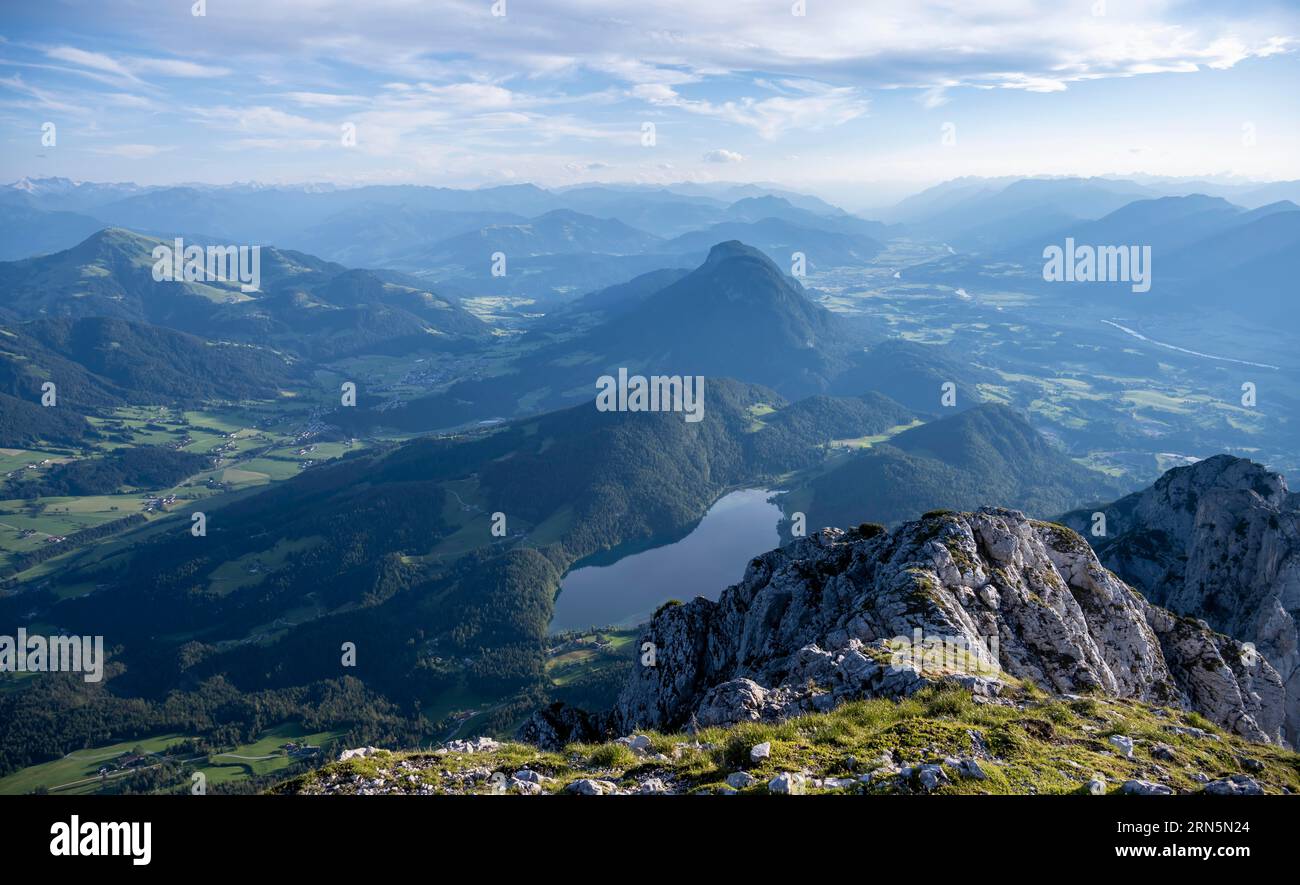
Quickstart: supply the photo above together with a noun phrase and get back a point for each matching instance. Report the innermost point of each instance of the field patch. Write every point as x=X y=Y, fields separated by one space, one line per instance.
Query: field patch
x=252 y=568
x=78 y=772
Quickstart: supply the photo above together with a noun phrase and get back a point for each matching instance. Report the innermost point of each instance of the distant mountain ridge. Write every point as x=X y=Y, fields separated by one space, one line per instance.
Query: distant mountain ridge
x=981 y=214
x=1204 y=251
x=305 y=304
x=402 y=226
x=914 y=374
x=735 y=316
x=26 y=231
x=560 y=231
x=98 y=361
x=985 y=453
x=780 y=239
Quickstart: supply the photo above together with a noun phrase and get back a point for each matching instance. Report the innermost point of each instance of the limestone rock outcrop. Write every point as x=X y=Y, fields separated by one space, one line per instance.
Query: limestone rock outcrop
x=979 y=598
x=1217 y=541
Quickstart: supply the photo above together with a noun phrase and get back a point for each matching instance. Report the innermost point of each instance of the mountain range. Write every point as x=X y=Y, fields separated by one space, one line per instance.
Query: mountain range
x=736 y=315
x=413 y=228
x=312 y=307
x=392 y=548
x=100 y=361
x=987 y=452
x=1204 y=251
x=485 y=474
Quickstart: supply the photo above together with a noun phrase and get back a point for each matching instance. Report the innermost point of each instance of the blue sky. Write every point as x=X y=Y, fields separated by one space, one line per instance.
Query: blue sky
x=850 y=96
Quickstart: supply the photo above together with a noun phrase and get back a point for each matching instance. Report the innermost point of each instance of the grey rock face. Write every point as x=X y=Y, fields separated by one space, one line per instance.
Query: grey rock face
x=739 y=780
x=1236 y=785
x=476 y=745
x=969 y=598
x=789 y=784
x=359 y=752
x=1164 y=753
x=930 y=777
x=1145 y=788
x=1123 y=744
x=553 y=727
x=731 y=702
x=1220 y=541
x=591 y=787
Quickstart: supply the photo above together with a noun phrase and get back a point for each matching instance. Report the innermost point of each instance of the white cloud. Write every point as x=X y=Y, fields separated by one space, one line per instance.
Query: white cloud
x=323 y=99
x=128 y=100
x=93 y=60
x=128 y=70
x=175 y=67
x=132 y=151
x=675 y=42
x=39 y=98
x=934 y=97
x=769 y=117
x=460 y=92
x=470 y=96
x=592 y=166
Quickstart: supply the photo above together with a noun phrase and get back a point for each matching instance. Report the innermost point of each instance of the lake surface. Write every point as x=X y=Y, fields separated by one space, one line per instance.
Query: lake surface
x=704 y=563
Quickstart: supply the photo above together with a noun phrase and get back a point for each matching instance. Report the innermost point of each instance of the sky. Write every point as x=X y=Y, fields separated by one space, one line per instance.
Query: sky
x=830 y=96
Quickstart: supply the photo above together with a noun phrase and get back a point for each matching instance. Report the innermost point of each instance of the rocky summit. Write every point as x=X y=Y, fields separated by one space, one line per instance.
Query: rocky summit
x=980 y=652
x=1219 y=541
x=822 y=621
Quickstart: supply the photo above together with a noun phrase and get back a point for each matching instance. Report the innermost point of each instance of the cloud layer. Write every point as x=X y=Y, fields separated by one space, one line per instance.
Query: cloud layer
x=563 y=90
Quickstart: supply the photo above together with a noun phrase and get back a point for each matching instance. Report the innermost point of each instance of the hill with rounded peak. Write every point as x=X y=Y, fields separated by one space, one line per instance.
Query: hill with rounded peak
x=988 y=453
x=303 y=304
